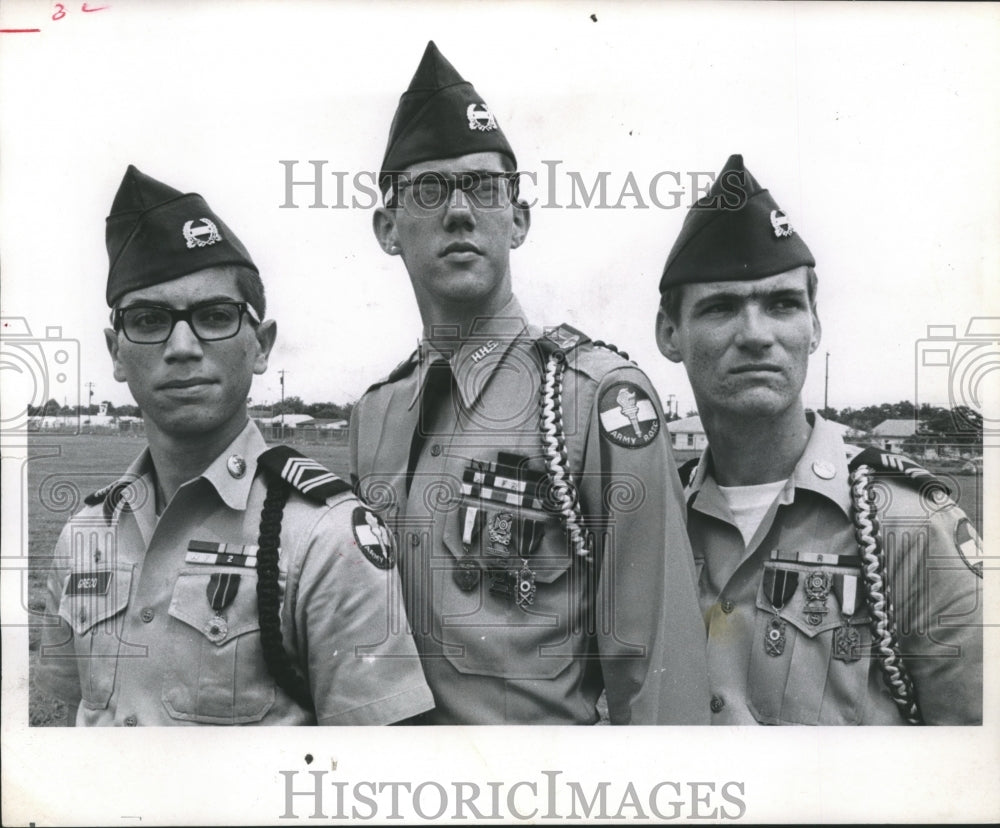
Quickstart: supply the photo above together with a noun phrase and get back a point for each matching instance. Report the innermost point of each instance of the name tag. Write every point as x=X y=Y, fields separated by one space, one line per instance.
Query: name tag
x=89 y=583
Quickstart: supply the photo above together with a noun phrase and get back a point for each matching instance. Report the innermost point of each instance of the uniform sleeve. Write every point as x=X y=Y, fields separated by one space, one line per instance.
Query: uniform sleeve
x=651 y=638
x=938 y=603
x=351 y=632
x=57 y=670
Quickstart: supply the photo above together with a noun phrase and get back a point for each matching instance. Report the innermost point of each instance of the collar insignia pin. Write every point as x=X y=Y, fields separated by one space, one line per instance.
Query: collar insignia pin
x=236 y=466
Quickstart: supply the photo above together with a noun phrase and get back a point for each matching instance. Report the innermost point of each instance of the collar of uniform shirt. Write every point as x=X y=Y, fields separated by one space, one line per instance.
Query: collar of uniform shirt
x=825 y=446
x=235 y=491
x=506 y=327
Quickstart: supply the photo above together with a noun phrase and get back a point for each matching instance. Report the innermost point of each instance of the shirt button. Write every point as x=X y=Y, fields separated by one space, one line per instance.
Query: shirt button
x=146 y=615
x=131 y=721
x=435 y=450
x=717 y=704
x=728 y=606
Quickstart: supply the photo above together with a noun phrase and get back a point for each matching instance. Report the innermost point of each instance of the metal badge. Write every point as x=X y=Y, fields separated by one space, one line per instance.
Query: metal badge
x=236 y=466
x=846 y=643
x=781 y=225
x=466 y=575
x=501 y=528
x=817 y=588
x=216 y=629
x=202 y=235
x=480 y=118
x=524 y=582
x=774 y=637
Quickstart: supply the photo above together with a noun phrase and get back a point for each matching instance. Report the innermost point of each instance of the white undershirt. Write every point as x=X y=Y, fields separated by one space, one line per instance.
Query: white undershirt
x=749 y=504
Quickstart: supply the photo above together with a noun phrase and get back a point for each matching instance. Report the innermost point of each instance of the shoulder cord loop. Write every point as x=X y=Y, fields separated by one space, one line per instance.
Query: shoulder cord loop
x=556 y=458
x=279 y=665
x=866 y=530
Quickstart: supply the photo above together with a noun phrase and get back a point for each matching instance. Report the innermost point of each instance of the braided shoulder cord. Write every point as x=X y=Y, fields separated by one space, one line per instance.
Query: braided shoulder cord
x=279 y=665
x=556 y=457
x=866 y=529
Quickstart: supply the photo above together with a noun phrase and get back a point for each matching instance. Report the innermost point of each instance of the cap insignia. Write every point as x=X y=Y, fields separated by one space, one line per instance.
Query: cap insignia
x=194 y=235
x=782 y=226
x=480 y=119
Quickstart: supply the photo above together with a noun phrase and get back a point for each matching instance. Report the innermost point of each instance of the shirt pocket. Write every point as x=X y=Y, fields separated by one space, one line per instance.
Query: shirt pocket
x=93 y=603
x=489 y=634
x=806 y=684
x=219 y=675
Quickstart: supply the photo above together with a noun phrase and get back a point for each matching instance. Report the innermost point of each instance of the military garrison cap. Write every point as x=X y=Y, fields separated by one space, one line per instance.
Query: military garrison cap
x=735 y=233
x=440 y=115
x=156 y=233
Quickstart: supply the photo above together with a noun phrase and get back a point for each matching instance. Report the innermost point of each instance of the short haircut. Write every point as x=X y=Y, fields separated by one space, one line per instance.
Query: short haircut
x=671 y=298
x=251 y=288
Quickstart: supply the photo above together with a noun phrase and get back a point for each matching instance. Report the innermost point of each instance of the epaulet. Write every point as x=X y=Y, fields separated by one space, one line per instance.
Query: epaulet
x=565 y=338
x=404 y=369
x=686 y=470
x=309 y=478
x=110 y=496
x=901 y=468
x=561 y=339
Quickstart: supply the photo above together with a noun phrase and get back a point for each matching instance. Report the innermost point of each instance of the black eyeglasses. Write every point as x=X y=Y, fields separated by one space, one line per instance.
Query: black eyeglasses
x=210 y=322
x=429 y=191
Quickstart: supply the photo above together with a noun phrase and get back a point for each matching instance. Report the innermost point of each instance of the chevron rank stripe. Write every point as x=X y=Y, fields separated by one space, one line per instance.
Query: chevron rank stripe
x=902 y=468
x=305 y=474
x=311 y=479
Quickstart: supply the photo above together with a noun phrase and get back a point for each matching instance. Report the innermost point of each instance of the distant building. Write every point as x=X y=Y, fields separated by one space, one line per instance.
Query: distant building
x=890 y=435
x=687 y=438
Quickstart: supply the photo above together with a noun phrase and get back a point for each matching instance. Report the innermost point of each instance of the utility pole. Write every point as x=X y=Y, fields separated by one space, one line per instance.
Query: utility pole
x=281 y=379
x=90 y=398
x=826 y=384
x=672 y=405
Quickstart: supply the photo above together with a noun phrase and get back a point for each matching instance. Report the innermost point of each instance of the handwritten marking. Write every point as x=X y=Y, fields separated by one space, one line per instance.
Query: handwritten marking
x=17 y=31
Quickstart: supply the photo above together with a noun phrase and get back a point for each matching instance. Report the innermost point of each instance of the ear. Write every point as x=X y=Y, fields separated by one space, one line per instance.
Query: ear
x=111 y=340
x=266 y=333
x=384 y=225
x=817 y=334
x=522 y=222
x=666 y=337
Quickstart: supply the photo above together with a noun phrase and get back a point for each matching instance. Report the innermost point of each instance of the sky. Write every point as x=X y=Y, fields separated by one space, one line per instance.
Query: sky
x=874 y=126
x=875 y=131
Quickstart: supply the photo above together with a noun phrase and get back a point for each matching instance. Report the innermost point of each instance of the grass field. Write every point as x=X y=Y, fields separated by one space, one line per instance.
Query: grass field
x=62 y=470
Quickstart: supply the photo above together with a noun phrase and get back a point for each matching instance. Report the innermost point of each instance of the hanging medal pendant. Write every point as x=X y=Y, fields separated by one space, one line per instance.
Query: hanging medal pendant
x=466 y=574
x=774 y=636
x=524 y=586
x=846 y=643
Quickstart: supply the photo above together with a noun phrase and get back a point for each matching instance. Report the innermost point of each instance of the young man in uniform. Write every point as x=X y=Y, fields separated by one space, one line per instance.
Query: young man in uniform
x=835 y=583
x=217 y=581
x=542 y=544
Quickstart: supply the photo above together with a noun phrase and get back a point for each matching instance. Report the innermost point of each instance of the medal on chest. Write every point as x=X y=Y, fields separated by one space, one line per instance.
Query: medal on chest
x=779 y=586
x=221 y=590
x=846 y=638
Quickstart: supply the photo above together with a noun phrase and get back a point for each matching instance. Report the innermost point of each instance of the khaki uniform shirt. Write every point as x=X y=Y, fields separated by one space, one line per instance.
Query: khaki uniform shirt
x=623 y=618
x=133 y=637
x=937 y=599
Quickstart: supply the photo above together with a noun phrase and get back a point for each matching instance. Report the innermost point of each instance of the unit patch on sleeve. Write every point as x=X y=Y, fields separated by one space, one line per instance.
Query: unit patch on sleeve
x=373 y=538
x=969 y=547
x=628 y=416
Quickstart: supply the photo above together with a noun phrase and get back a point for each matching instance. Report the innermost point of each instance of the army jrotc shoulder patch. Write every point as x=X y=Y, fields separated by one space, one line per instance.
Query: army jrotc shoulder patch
x=373 y=538
x=628 y=416
x=969 y=547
